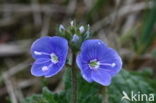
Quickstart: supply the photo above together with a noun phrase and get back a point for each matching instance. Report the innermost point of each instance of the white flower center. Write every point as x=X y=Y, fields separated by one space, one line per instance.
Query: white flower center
x=54 y=58
x=94 y=64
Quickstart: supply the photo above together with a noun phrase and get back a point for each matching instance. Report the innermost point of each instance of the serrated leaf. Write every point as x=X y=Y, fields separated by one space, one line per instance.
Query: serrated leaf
x=137 y=82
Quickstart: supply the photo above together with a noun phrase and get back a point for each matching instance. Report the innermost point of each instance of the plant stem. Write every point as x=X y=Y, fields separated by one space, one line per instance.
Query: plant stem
x=74 y=80
x=105 y=95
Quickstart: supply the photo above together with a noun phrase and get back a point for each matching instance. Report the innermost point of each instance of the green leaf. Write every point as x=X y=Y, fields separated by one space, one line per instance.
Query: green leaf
x=139 y=82
x=45 y=97
x=35 y=99
x=48 y=95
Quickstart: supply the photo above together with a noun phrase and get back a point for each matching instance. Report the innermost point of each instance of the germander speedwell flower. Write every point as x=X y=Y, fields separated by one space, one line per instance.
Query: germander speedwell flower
x=98 y=62
x=50 y=54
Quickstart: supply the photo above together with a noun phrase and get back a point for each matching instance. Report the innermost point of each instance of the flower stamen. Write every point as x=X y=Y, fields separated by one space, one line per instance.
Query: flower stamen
x=108 y=64
x=40 y=53
x=44 y=68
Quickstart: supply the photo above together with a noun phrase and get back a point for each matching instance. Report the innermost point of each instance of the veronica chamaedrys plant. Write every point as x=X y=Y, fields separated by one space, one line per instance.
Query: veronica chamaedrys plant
x=50 y=55
x=98 y=62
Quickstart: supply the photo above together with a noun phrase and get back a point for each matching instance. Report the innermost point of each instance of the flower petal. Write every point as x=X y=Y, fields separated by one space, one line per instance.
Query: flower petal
x=41 y=47
x=92 y=49
x=46 y=45
x=101 y=77
x=111 y=57
x=37 y=66
x=61 y=50
x=60 y=47
x=85 y=70
x=55 y=69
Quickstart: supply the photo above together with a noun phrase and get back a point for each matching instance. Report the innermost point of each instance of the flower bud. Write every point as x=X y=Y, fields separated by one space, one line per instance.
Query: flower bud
x=87 y=35
x=72 y=23
x=61 y=28
x=81 y=29
x=75 y=38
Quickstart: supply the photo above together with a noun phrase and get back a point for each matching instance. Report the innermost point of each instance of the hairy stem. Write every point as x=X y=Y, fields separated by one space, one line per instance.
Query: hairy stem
x=74 y=80
x=105 y=95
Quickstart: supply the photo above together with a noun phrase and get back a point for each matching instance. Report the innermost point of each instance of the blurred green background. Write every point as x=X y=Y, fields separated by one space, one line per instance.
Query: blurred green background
x=129 y=26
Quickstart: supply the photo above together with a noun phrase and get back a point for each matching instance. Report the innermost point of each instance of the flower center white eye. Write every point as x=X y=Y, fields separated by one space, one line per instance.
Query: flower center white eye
x=44 y=68
x=94 y=64
x=54 y=58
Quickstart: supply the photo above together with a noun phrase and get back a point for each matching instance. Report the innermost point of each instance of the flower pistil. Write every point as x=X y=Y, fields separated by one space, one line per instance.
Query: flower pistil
x=54 y=58
x=94 y=64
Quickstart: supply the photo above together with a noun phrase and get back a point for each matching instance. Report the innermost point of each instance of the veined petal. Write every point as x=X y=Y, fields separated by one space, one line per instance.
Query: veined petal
x=101 y=77
x=86 y=74
x=60 y=47
x=55 y=69
x=111 y=62
x=42 y=61
x=92 y=49
x=38 y=67
x=85 y=71
x=41 y=47
x=61 y=50
x=44 y=46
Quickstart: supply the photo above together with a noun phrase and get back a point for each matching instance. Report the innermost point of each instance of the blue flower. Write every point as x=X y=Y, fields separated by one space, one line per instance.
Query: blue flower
x=97 y=62
x=50 y=55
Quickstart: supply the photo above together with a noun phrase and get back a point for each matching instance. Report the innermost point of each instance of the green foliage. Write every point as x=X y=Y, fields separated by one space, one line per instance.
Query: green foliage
x=87 y=92
x=147 y=35
x=35 y=99
x=131 y=81
x=47 y=97
x=142 y=82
